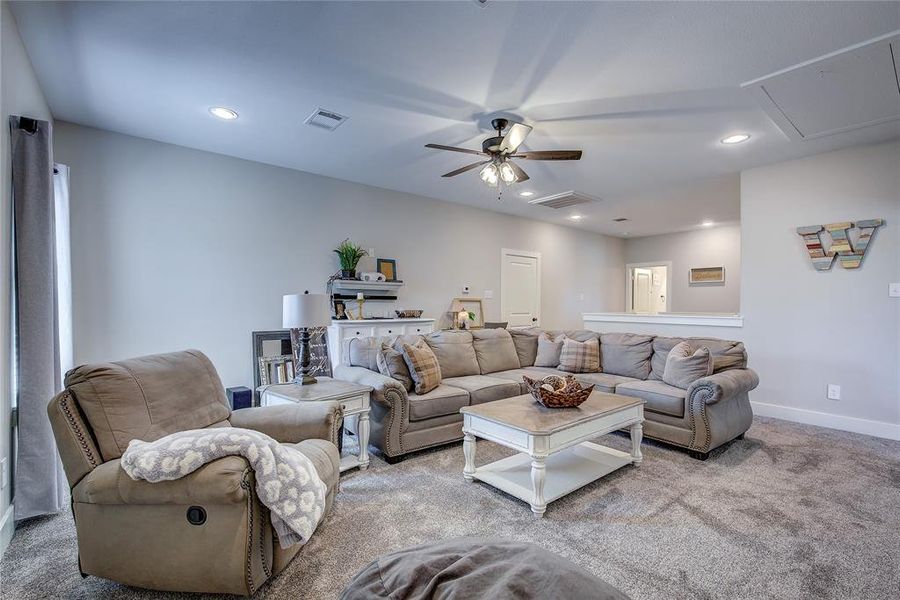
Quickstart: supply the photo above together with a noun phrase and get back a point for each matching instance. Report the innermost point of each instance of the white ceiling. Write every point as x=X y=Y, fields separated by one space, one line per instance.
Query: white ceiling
x=645 y=89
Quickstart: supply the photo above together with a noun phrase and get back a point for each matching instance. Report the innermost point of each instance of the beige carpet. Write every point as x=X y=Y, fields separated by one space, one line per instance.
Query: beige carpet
x=790 y=512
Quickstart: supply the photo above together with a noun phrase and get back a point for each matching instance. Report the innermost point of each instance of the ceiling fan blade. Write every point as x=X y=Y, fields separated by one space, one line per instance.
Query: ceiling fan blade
x=466 y=168
x=521 y=175
x=550 y=155
x=455 y=149
x=514 y=137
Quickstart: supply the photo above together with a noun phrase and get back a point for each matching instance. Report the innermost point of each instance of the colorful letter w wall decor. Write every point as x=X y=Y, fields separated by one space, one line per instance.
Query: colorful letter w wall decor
x=849 y=253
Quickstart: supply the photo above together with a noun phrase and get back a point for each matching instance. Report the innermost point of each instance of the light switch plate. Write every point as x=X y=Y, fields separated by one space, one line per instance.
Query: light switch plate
x=894 y=290
x=834 y=391
x=488 y=294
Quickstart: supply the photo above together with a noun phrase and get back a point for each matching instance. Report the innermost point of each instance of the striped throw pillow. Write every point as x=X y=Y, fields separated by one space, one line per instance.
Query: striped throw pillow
x=423 y=366
x=580 y=357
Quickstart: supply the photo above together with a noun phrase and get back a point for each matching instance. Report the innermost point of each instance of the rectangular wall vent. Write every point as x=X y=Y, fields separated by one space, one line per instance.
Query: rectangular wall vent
x=326 y=119
x=564 y=200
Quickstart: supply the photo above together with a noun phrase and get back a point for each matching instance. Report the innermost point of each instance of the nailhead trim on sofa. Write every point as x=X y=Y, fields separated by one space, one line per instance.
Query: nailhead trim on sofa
x=75 y=426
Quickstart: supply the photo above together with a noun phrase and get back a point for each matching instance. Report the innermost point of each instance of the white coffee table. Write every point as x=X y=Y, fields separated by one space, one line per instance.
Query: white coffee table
x=354 y=399
x=555 y=455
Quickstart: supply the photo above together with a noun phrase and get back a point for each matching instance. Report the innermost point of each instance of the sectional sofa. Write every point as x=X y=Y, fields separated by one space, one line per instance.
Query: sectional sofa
x=488 y=364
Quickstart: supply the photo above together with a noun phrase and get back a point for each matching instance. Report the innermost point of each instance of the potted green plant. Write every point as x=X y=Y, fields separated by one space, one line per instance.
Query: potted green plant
x=349 y=255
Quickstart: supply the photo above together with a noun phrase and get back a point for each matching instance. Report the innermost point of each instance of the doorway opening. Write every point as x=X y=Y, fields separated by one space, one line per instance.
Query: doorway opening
x=648 y=287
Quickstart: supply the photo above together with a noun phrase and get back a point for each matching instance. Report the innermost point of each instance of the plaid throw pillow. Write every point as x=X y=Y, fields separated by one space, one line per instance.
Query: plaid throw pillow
x=580 y=357
x=423 y=367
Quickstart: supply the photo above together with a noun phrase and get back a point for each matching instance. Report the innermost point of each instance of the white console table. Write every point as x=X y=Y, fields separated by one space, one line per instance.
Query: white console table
x=341 y=330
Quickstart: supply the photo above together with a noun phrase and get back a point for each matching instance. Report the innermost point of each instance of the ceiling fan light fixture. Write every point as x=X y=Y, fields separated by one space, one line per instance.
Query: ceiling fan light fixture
x=226 y=114
x=526 y=194
x=737 y=138
x=490 y=174
x=506 y=173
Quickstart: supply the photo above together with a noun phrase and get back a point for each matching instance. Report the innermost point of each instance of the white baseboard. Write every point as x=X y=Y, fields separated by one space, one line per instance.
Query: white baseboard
x=7 y=528
x=880 y=429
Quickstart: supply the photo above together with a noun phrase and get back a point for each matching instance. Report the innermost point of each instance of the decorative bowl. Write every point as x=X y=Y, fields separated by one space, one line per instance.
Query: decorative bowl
x=554 y=391
x=409 y=314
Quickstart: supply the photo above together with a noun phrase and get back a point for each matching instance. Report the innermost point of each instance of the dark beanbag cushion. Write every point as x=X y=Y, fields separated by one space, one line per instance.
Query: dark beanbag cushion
x=472 y=568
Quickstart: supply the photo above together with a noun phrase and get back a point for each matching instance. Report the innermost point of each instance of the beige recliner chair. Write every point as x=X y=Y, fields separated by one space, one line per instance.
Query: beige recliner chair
x=206 y=532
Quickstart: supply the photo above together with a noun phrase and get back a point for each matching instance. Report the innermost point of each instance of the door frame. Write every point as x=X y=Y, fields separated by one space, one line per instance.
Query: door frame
x=653 y=263
x=504 y=309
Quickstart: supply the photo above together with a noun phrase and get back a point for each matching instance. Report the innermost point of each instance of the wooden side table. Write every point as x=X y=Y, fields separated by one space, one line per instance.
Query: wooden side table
x=354 y=399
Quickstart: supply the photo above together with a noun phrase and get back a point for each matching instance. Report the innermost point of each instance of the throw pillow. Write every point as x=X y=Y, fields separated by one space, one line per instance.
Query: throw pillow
x=548 y=350
x=686 y=364
x=423 y=367
x=392 y=364
x=580 y=357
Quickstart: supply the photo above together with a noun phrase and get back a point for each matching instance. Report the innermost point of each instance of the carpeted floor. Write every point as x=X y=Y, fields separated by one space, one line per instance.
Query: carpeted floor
x=791 y=512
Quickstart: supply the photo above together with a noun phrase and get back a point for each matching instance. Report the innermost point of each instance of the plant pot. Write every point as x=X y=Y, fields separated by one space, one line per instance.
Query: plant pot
x=348 y=273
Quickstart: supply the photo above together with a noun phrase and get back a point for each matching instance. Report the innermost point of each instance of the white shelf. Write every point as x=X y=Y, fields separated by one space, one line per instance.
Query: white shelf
x=362 y=286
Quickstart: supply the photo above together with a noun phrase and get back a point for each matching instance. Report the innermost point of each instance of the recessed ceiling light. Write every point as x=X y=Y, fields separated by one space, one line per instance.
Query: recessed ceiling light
x=526 y=194
x=707 y=223
x=575 y=217
x=624 y=233
x=226 y=114
x=736 y=138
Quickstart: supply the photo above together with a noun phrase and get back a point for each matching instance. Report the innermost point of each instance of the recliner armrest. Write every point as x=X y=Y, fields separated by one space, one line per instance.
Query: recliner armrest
x=724 y=384
x=292 y=423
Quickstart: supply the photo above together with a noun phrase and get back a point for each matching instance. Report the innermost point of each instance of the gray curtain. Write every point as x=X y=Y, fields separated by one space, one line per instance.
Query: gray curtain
x=40 y=486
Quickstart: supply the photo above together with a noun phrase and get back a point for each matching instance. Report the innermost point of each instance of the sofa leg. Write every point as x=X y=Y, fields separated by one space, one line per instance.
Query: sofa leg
x=698 y=455
x=393 y=460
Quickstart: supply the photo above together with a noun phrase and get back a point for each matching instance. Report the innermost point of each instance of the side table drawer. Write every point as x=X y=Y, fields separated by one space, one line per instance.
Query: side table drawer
x=353 y=405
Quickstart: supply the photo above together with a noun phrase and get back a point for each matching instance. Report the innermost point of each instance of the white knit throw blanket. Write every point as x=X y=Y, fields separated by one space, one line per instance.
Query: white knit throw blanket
x=286 y=480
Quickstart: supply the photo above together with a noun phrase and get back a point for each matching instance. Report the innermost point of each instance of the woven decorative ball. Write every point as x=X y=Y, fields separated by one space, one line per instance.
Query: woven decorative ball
x=554 y=391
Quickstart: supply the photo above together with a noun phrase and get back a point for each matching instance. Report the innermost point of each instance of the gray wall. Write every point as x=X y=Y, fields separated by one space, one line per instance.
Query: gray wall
x=714 y=247
x=19 y=95
x=805 y=329
x=175 y=248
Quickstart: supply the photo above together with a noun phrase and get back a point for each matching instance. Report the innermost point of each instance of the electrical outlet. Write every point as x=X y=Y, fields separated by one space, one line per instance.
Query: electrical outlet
x=834 y=391
x=894 y=290
x=4 y=474
x=488 y=294
x=465 y=289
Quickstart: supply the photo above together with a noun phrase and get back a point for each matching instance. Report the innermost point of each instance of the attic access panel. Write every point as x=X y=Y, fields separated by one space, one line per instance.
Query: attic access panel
x=852 y=88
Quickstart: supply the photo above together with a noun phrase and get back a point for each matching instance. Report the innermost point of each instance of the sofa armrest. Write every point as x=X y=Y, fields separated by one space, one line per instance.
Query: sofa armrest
x=390 y=407
x=379 y=383
x=292 y=423
x=721 y=385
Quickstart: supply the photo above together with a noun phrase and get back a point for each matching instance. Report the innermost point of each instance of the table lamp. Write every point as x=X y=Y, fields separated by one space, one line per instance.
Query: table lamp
x=300 y=313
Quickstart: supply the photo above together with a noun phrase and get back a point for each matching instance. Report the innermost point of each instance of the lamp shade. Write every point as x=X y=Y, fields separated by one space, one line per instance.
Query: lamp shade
x=305 y=310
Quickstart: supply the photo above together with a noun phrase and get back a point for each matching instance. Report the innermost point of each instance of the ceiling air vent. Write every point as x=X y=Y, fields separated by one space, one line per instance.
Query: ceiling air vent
x=620 y=219
x=325 y=119
x=564 y=200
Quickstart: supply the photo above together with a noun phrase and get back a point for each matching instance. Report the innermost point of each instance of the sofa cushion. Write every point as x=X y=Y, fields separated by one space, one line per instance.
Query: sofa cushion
x=442 y=400
x=494 y=350
x=660 y=397
x=148 y=398
x=361 y=352
x=603 y=382
x=482 y=388
x=580 y=357
x=525 y=340
x=548 y=350
x=423 y=367
x=581 y=335
x=686 y=364
x=455 y=352
x=726 y=354
x=392 y=364
x=626 y=354
x=516 y=376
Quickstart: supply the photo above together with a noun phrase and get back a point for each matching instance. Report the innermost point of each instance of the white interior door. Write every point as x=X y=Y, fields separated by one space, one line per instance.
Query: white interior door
x=642 y=290
x=520 y=288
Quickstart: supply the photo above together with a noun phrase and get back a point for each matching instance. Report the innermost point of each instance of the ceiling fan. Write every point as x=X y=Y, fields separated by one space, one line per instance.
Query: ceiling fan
x=500 y=149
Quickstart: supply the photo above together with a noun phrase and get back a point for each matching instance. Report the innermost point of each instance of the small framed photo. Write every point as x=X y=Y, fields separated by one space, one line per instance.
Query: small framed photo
x=707 y=275
x=387 y=267
x=340 y=309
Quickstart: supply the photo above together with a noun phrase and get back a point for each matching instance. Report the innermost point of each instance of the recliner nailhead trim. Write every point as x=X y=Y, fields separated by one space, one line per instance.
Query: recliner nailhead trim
x=249 y=566
x=79 y=432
